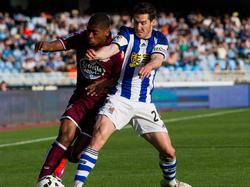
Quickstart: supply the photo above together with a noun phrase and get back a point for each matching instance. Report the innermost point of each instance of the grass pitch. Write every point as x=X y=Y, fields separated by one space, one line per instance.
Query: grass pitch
x=213 y=150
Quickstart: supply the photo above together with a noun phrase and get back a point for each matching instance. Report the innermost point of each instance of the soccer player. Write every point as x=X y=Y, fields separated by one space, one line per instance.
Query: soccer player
x=145 y=49
x=79 y=116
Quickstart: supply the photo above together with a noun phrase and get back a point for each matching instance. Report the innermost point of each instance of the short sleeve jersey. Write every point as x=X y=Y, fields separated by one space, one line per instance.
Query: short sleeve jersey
x=137 y=53
x=89 y=72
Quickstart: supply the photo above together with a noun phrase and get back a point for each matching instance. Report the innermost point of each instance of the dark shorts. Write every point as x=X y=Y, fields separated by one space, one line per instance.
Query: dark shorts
x=83 y=113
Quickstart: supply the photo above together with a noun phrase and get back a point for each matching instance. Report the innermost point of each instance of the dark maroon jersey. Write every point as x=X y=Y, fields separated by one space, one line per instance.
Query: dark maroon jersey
x=82 y=108
x=88 y=72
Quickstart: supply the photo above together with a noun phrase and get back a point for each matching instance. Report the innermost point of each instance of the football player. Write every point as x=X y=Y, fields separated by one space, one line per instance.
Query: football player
x=145 y=49
x=93 y=81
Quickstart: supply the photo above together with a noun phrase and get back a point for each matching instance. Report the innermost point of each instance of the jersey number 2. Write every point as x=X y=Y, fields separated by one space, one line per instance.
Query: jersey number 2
x=155 y=116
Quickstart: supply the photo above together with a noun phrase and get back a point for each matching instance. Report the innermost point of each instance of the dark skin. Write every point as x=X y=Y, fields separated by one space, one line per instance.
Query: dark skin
x=97 y=35
x=68 y=132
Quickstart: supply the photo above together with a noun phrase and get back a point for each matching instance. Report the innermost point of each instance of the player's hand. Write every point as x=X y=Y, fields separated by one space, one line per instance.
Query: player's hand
x=97 y=87
x=91 y=54
x=38 y=46
x=145 y=71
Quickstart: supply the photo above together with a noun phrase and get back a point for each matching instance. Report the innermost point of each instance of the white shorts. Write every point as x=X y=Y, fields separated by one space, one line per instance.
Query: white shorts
x=143 y=116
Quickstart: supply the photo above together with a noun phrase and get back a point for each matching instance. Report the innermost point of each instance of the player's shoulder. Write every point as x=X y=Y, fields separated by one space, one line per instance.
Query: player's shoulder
x=82 y=34
x=126 y=29
x=160 y=36
x=76 y=34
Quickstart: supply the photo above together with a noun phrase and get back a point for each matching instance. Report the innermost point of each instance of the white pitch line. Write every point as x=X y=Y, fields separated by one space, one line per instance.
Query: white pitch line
x=167 y=120
x=27 y=142
x=205 y=115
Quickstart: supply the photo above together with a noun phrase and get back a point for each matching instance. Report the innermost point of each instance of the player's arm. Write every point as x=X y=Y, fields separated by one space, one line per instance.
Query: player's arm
x=101 y=86
x=103 y=53
x=118 y=44
x=52 y=46
x=154 y=63
x=158 y=55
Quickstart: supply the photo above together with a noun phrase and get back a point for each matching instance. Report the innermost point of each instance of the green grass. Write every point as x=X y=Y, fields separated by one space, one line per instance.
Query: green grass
x=211 y=152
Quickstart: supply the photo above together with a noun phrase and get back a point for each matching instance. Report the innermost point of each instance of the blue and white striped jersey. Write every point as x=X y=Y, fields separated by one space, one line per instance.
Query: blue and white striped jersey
x=137 y=53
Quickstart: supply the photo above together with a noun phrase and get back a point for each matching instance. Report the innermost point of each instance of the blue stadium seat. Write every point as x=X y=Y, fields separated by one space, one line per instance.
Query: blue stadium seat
x=232 y=64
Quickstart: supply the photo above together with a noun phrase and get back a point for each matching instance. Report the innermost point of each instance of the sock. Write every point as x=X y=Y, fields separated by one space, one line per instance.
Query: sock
x=87 y=163
x=54 y=156
x=60 y=169
x=168 y=167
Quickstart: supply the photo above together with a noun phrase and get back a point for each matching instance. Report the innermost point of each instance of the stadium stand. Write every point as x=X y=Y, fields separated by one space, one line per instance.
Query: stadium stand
x=219 y=46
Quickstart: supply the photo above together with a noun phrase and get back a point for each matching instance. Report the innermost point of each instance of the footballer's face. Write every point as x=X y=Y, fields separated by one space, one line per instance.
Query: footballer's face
x=143 y=26
x=97 y=35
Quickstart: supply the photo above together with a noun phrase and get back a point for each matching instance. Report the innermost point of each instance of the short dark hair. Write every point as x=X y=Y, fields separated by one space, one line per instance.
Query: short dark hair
x=145 y=8
x=100 y=19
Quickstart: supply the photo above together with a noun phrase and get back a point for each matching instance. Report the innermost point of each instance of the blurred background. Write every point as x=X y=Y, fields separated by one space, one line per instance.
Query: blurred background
x=208 y=64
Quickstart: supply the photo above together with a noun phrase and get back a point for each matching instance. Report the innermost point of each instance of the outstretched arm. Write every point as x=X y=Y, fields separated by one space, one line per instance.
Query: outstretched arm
x=102 y=53
x=154 y=63
x=52 y=46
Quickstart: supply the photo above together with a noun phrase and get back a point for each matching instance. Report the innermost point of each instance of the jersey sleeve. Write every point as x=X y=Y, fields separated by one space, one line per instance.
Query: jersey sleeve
x=122 y=39
x=71 y=41
x=161 y=46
